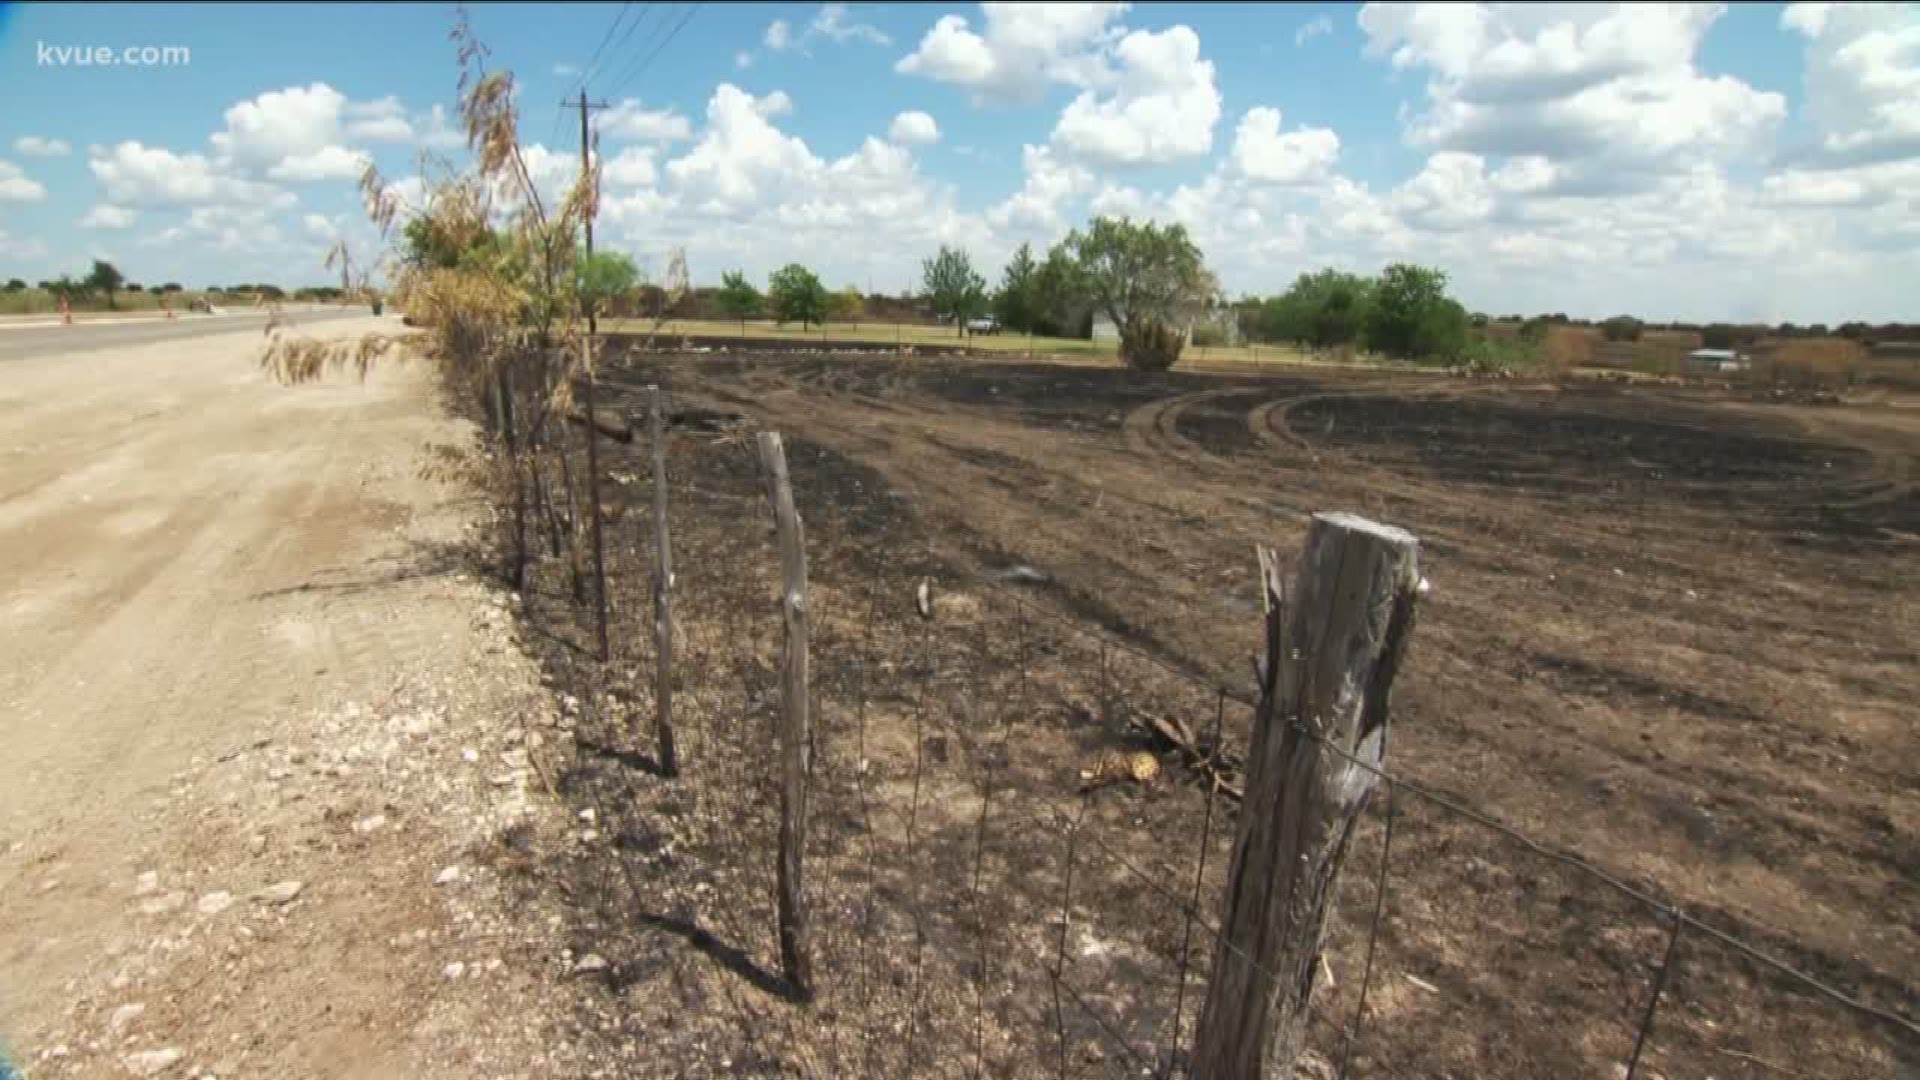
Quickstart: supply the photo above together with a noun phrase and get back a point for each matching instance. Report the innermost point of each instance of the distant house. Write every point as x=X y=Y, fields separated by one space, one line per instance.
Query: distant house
x=1715 y=361
x=1223 y=321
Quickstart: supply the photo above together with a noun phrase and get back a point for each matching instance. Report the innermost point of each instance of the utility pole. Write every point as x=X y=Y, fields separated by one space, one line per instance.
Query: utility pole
x=592 y=425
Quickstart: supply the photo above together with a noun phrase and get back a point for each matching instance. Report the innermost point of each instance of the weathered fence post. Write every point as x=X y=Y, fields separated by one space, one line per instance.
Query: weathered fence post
x=593 y=501
x=796 y=958
x=662 y=592
x=1323 y=698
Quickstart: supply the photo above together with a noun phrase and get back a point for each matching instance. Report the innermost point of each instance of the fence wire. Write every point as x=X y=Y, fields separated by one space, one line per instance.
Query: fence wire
x=935 y=893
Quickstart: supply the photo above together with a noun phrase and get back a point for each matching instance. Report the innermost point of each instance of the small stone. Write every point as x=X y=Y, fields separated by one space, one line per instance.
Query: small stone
x=454 y=970
x=470 y=755
x=588 y=836
x=173 y=901
x=147 y=884
x=589 y=964
x=152 y=1062
x=587 y=815
x=447 y=876
x=282 y=893
x=369 y=825
x=215 y=902
x=256 y=844
x=124 y=1016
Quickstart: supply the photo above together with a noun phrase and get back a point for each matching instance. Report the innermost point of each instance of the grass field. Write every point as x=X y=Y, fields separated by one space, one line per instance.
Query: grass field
x=1013 y=344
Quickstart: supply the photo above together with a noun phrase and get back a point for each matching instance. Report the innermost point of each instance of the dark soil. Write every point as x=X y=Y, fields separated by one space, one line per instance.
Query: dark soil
x=1673 y=635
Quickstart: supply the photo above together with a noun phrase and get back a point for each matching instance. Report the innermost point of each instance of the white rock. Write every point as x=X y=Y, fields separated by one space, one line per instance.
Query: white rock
x=215 y=902
x=152 y=1062
x=589 y=964
x=173 y=901
x=588 y=815
x=371 y=824
x=447 y=876
x=124 y=1016
x=469 y=755
x=147 y=883
x=454 y=970
x=282 y=893
x=256 y=844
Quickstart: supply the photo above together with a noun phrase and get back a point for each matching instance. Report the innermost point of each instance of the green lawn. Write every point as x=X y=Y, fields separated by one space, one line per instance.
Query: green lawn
x=903 y=334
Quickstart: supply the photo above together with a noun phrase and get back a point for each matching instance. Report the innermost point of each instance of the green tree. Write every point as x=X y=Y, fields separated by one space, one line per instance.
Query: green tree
x=1148 y=278
x=1413 y=317
x=957 y=291
x=1017 y=303
x=104 y=278
x=1322 y=309
x=796 y=294
x=1060 y=298
x=15 y=285
x=603 y=277
x=847 y=305
x=172 y=286
x=738 y=297
x=1621 y=328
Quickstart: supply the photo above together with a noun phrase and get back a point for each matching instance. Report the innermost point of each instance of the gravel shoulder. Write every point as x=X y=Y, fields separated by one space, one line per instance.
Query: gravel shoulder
x=265 y=733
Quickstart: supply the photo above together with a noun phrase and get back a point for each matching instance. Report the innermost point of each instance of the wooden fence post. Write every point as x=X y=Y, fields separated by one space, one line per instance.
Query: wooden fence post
x=1324 y=690
x=796 y=958
x=662 y=592
x=593 y=501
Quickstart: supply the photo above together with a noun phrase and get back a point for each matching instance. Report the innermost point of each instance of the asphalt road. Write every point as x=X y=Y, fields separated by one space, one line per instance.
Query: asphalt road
x=87 y=337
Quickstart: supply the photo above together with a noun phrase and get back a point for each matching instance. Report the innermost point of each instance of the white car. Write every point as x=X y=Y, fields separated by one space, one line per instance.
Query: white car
x=986 y=324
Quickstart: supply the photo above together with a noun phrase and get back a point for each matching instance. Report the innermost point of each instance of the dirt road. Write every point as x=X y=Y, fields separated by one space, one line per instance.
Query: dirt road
x=252 y=710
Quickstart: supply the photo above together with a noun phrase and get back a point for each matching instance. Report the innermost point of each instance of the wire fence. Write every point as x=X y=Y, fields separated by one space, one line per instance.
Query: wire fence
x=1013 y=872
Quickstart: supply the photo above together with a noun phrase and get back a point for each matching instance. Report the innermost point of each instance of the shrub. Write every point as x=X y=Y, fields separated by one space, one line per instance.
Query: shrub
x=1151 y=346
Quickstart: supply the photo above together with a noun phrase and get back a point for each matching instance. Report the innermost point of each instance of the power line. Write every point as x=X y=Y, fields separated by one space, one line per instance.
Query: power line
x=587 y=71
x=624 y=38
x=641 y=67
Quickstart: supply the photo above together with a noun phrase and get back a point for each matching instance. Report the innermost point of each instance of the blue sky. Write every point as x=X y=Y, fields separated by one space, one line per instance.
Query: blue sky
x=1703 y=161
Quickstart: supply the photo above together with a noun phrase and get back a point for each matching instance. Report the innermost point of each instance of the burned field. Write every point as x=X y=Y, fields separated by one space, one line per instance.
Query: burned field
x=1670 y=634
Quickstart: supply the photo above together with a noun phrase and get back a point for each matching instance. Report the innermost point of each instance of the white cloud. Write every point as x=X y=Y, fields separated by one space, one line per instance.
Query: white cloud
x=741 y=157
x=437 y=132
x=139 y=175
x=40 y=146
x=1313 y=28
x=1020 y=49
x=775 y=104
x=1862 y=80
x=280 y=124
x=632 y=167
x=914 y=127
x=1049 y=189
x=384 y=120
x=108 y=216
x=326 y=163
x=834 y=22
x=1614 y=86
x=743 y=60
x=1262 y=154
x=1162 y=106
x=320 y=227
x=750 y=194
x=631 y=120
x=17 y=186
x=20 y=249
x=566 y=71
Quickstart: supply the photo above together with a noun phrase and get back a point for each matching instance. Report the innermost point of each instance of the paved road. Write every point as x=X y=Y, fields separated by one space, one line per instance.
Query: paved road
x=86 y=337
